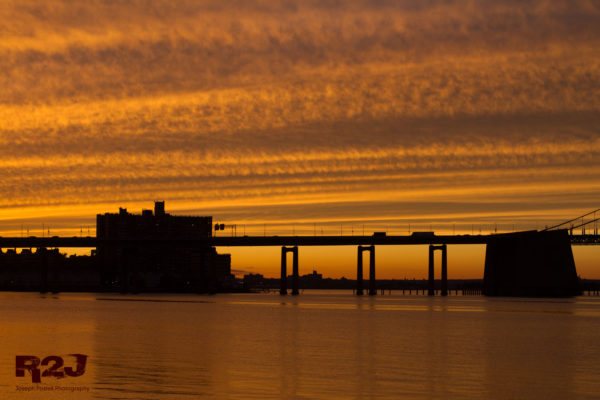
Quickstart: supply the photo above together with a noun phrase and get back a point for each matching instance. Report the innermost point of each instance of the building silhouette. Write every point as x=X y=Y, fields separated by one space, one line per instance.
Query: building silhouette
x=173 y=265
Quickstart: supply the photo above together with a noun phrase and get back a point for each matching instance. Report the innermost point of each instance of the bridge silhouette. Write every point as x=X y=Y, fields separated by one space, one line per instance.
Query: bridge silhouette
x=292 y=243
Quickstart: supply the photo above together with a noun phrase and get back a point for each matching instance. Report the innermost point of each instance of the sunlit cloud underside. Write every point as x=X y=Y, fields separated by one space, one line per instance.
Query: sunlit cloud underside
x=301 y=116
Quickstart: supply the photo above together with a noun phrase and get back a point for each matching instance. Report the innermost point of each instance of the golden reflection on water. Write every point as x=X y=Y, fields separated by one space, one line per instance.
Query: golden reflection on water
x=360 y=306
x=316 y=345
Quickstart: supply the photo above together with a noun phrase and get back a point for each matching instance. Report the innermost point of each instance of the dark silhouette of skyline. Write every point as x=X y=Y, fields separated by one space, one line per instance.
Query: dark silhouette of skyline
x=156 y=251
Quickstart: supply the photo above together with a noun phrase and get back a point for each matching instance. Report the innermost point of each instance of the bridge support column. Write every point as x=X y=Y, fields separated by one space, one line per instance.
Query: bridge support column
x=283 y=285
x=444 y=271
x=295 y=271
x=372 y=285
x=431 y=287
x=359 y=272
x=283 y=282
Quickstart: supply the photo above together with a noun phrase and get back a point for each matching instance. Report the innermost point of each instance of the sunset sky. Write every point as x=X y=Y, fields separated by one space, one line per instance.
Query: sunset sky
x=301 y=116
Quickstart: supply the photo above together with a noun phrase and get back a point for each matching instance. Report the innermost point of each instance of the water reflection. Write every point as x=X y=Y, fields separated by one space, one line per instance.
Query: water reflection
x=529 y=349
x=318 y=345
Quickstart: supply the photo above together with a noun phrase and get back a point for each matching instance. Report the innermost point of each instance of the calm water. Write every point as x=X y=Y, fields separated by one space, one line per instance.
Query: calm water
x=320 y=345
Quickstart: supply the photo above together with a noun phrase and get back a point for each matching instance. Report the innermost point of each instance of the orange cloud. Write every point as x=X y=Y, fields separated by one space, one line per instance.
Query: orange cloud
x=294 y=111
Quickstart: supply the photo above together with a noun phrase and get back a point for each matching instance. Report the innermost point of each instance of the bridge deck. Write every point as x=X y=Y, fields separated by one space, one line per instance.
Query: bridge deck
x=251 y=241
x=225 y=241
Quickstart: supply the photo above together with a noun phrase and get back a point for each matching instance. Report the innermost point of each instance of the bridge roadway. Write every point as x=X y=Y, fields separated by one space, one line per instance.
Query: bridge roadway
x=239 y=241
x=251 y=241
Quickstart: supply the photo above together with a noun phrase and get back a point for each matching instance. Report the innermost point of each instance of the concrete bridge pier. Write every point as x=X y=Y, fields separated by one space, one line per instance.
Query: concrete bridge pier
x=295 y=271
x=431 y=283
x=444 y=271
x=372 y=288
x=283 y=284
x=359 y=270
x=431 y=286
x=283 y=281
